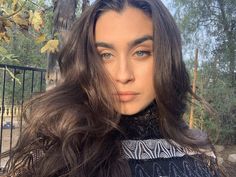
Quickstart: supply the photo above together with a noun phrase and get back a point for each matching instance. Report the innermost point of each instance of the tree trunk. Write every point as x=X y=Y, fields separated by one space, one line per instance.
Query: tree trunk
x=191 y=119
x=232 y=58
x=64 y=16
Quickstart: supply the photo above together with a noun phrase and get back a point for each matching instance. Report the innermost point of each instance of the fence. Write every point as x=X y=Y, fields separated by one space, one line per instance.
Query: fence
x=17 y=85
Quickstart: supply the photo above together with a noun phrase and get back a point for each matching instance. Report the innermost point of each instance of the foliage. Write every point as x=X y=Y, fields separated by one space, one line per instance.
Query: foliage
x=22 y=24
x=51 y=46
x=36 y=20
x=6 y=56
x=210 y=26
x=25 y=23
x=216 y=90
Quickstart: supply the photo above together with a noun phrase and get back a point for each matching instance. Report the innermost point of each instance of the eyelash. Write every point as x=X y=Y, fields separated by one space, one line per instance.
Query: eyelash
x=105 y=54
x=144 y=52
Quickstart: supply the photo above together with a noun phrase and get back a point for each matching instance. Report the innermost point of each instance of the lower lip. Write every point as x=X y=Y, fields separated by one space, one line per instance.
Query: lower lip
x=126 y=98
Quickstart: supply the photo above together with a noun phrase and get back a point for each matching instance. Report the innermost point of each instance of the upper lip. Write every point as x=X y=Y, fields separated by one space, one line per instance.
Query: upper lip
x=126 y=93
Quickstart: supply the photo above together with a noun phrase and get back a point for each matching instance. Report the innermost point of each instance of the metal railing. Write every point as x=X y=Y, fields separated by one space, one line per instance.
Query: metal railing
x=17 y=85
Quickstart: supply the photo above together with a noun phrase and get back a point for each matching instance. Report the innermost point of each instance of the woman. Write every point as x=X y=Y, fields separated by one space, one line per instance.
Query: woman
x=118 y=111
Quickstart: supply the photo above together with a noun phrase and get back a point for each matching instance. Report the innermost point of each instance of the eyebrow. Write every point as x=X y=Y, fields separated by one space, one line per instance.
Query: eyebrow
x=130 y=44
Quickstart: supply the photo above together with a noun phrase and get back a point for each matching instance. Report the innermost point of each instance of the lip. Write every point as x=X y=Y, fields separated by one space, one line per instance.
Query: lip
x=127 y=96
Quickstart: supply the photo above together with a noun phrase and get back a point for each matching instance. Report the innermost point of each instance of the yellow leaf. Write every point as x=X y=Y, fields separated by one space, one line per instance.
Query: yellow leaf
x=7 y=23
x=31 y=14
x=2 y=2
x=36 y=20
x=14 y=4
x=4 y=36
x=51 y=46
x=19 y=20
x=40 y=39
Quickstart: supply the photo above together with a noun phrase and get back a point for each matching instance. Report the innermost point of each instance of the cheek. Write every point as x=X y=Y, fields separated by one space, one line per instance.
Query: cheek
x=109 y=69
x=148 y=87
x=145 y=72
x=149 y=84
x=147 y=81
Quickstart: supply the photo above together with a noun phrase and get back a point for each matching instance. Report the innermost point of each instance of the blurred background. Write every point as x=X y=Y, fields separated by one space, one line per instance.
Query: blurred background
x=33 y=31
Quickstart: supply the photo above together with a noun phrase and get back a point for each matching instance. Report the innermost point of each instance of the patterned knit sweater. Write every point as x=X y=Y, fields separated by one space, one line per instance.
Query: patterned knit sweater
x=150 y=155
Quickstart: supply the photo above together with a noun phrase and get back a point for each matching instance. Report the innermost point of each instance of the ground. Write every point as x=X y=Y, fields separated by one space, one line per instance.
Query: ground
x=229 y=168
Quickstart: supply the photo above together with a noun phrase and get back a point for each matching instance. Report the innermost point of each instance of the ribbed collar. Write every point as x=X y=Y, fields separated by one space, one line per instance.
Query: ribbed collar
x=142 y=125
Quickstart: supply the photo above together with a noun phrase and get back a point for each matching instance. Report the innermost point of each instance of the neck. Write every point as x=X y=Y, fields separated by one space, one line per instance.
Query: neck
x=142 y=125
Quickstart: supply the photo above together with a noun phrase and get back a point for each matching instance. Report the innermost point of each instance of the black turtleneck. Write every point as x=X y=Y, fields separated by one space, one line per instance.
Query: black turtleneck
x=151 y=155
x=142 y=125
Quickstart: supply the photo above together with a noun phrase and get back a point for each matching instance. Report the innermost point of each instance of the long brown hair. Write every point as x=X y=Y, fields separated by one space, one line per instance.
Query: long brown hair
x=72 y=129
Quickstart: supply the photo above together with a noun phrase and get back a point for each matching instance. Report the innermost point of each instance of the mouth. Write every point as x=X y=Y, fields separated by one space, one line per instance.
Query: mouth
x=126 y=96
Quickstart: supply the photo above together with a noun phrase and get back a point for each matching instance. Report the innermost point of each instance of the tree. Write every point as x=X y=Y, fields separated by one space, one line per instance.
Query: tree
x=62 y=23
x=19 y=16
x=22 y=31
x=210 y=25
x=63 y=18
x=215 y=19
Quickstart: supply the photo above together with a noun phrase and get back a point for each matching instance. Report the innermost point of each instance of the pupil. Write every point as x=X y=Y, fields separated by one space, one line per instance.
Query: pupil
x=140 y=53
x=107 y=55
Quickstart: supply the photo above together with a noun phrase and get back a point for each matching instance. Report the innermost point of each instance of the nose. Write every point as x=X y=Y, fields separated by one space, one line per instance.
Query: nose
x=124 y=73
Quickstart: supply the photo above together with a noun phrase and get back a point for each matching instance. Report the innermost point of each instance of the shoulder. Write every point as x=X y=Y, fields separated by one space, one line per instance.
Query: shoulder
x=200 y=143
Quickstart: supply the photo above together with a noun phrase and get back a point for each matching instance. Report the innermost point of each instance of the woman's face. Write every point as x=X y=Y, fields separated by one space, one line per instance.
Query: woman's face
x=125 y=42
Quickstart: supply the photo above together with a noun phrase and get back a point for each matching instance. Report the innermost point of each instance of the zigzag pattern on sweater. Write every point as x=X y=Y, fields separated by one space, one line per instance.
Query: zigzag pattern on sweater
x=155 y=148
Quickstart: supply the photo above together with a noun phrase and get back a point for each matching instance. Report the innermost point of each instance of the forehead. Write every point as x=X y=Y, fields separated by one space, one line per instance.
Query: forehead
x=128 y=24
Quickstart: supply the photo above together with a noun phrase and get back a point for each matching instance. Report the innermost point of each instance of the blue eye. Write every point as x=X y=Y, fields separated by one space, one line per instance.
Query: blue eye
x=142 y=53
x=106 y=56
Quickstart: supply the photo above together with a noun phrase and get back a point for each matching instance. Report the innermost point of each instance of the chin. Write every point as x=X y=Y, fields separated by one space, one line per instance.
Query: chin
x=128 y=113
x=130 y=109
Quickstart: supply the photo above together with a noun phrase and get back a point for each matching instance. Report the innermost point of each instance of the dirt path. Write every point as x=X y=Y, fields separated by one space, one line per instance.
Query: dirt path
x=6 y=143
x=228 y=167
